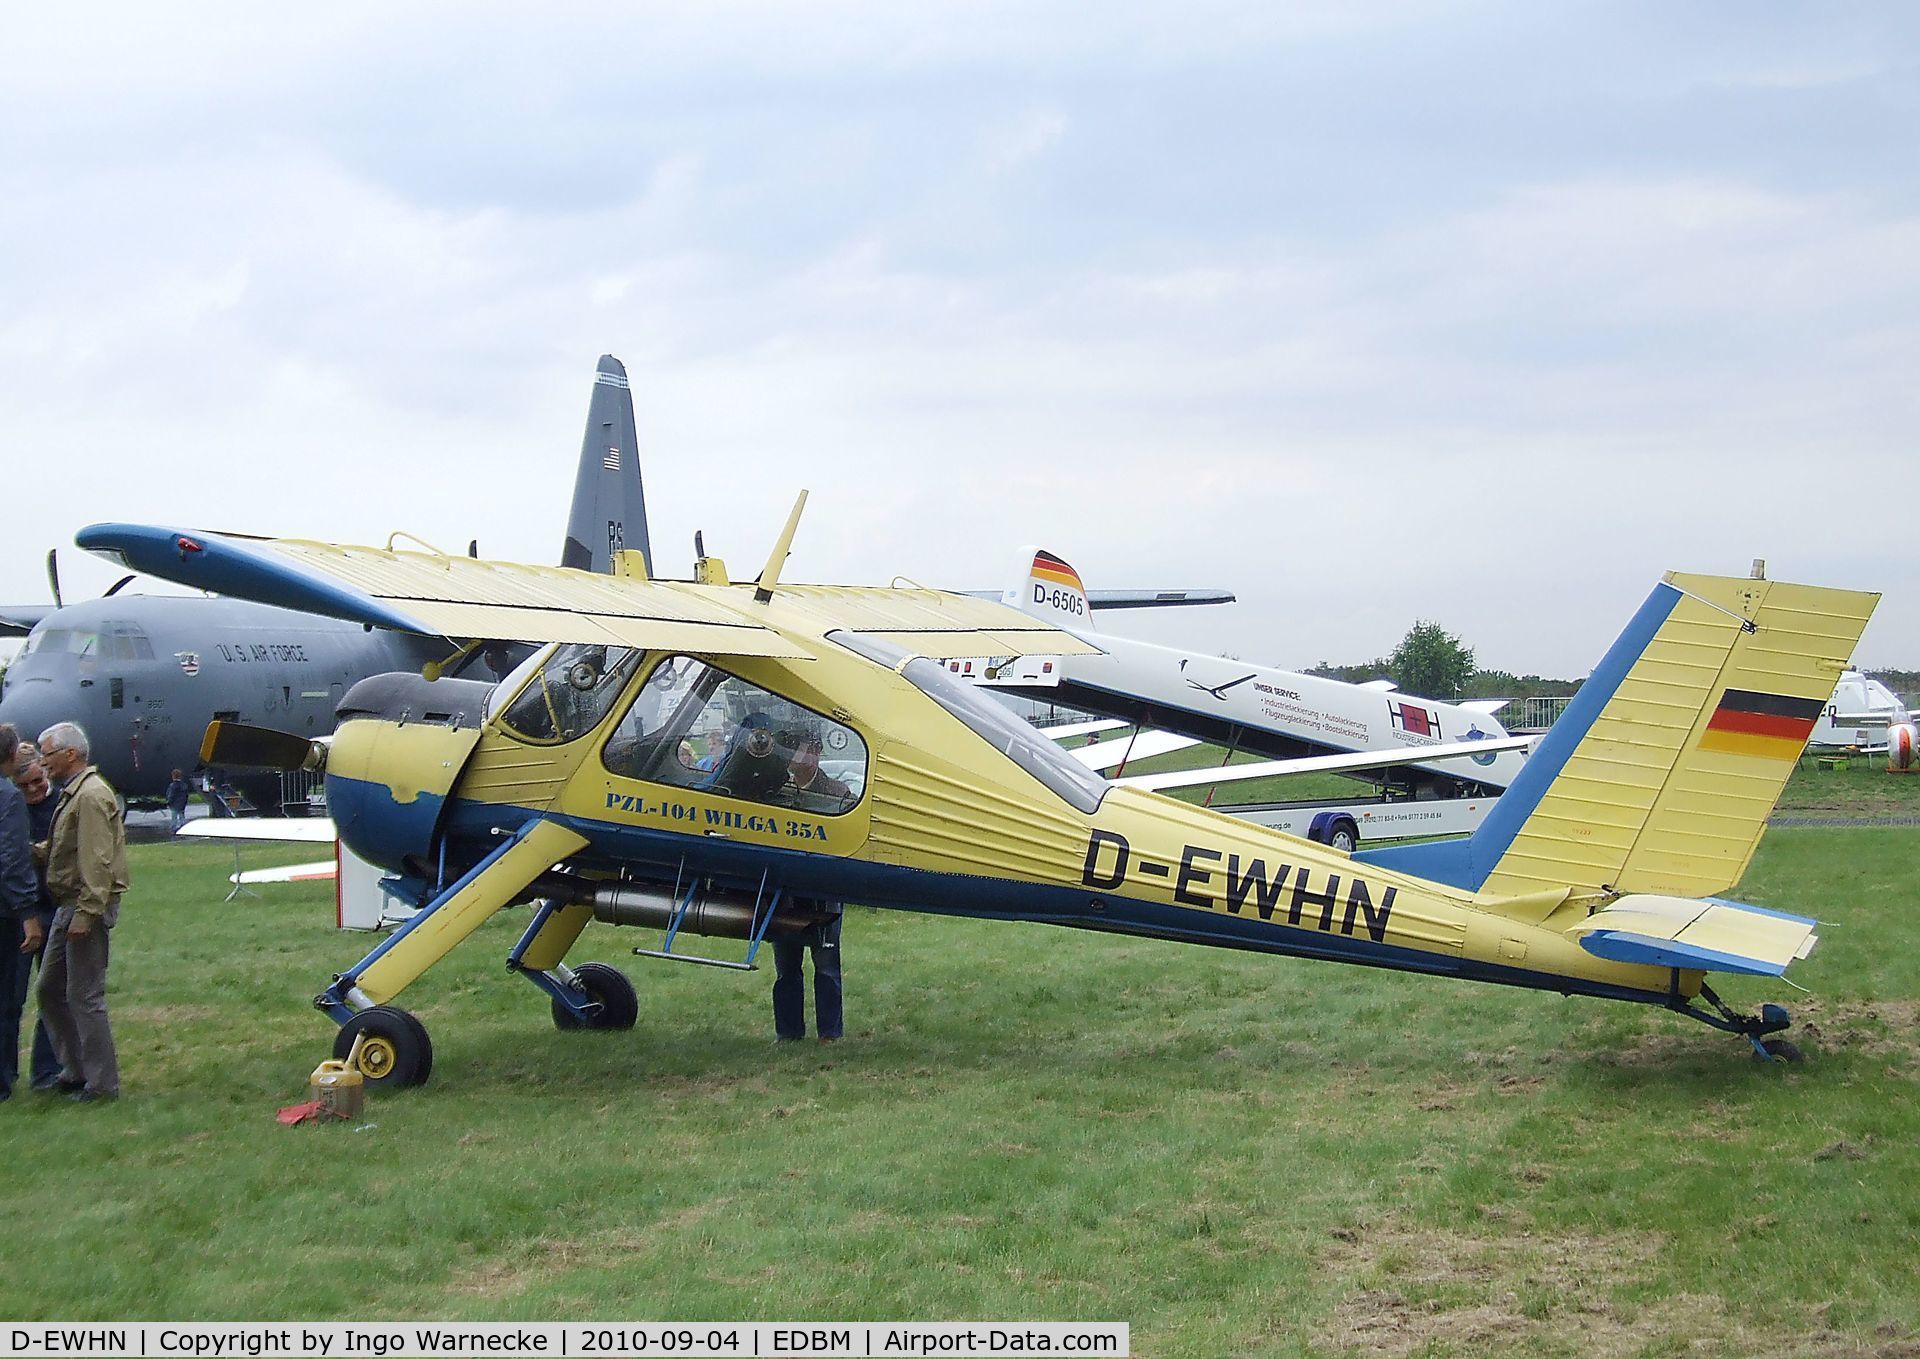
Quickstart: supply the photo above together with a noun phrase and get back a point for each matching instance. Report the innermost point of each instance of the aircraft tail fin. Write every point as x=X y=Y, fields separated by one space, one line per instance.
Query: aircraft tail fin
x=609 y=513
x=1050 y=589
x=1661 y=774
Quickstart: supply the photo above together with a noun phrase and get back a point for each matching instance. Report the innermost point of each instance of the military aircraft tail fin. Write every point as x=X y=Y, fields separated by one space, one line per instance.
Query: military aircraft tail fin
x=1049 y=589
x=609 y=513
x=1660 y=775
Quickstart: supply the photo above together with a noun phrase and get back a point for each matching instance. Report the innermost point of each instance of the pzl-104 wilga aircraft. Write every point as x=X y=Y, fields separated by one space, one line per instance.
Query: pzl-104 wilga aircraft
x=718 y=758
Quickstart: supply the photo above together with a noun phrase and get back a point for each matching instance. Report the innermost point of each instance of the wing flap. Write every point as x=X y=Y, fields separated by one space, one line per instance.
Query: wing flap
x=1711 y=935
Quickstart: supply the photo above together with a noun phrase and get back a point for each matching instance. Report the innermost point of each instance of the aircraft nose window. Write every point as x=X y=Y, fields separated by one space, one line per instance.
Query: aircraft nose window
x=570 y=693
x=58 y=641
x=125 y=642
x=695 y=726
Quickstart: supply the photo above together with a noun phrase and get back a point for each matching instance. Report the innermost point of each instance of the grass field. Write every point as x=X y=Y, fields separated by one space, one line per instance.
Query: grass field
x=1239 y=1155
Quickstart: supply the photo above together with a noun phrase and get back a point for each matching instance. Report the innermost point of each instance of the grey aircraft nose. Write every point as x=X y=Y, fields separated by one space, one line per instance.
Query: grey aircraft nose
x=31 y=706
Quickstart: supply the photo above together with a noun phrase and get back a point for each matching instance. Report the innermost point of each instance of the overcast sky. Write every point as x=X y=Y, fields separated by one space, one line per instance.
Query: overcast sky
x=1372 y=312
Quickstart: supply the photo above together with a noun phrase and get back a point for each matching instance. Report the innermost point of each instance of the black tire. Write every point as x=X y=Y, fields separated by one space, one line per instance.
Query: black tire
x=1781 y=1050
x=397 y=1051
x=610 y=989
x=1343 y=836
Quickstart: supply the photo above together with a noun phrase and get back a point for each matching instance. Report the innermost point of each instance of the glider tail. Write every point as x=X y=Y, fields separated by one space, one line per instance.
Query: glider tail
x=609 y=512
x=1050 y=589
x=1661 y=774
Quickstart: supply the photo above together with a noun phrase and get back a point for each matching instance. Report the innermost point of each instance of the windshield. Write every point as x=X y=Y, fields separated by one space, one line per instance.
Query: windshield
x=510 y=684
x=58 y=641
x=571 y=692
x=1066 y=777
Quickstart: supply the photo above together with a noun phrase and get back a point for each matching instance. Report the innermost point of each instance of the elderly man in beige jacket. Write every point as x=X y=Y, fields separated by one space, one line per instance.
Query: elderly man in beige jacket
x=86 y=875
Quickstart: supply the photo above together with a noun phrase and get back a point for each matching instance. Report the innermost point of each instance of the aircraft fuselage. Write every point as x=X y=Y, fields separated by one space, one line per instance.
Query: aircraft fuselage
x=144 y=675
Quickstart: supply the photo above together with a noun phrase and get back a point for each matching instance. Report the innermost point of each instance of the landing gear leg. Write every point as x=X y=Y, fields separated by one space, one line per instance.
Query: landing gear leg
x=1756 y=1029
x=451 y=916
x=593 y=997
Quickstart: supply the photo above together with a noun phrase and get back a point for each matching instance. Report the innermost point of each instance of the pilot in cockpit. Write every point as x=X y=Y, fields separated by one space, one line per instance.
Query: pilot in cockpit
x=808 y=778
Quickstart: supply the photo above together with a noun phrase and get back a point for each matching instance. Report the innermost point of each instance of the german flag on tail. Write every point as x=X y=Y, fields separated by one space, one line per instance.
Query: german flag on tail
x=1050 y=568
x=1771 y=726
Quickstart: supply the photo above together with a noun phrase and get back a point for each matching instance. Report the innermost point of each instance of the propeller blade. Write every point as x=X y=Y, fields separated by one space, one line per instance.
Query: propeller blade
x=115 y=588
x=53 y=576
x=235 y=745
x=473 y=547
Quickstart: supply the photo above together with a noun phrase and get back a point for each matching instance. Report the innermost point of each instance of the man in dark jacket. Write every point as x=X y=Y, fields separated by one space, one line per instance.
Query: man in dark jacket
x=20 y=928
x=179 y=793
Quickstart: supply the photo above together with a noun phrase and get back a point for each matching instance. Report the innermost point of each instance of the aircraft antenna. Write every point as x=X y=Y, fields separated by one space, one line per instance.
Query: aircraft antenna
x=770 y=573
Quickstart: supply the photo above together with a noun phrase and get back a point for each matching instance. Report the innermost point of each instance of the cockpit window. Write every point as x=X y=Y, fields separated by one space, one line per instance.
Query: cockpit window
x=695 y=726
x=125 y=642
x=573 y=687
x=1065 y=776
x=63 y=641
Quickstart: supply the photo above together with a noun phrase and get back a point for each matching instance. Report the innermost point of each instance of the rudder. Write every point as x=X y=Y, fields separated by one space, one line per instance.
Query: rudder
x=1662 y=772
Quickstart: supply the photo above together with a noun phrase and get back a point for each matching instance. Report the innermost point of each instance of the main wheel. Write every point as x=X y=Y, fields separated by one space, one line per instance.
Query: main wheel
x=609 y=988
x=1780 y=1050
x=396 y=1051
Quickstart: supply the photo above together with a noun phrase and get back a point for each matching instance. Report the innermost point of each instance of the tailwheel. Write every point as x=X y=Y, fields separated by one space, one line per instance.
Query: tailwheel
x=606 y=987
x=395 y=1050
x=1778 y=1050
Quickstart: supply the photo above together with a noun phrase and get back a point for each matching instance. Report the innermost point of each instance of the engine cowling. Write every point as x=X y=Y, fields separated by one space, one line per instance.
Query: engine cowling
x=1902 y=740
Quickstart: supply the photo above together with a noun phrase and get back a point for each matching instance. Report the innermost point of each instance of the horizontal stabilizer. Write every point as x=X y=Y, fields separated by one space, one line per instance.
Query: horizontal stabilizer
x=1101 y=600
x=1711 y=935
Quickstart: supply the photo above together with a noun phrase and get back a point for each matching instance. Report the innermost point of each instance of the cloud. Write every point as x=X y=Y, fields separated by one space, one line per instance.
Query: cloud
x=1370 y=312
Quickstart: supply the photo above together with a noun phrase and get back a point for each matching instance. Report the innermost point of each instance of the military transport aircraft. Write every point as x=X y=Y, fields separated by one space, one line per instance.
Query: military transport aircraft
x=717 y=758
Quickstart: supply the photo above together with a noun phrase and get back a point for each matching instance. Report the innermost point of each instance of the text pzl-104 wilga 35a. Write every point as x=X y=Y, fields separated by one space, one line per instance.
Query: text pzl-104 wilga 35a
x=718 y=758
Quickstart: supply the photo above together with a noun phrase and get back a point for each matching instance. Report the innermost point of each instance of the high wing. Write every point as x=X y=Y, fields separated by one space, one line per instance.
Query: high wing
x=17 y=620
x=437 y=595
x=1325 y=764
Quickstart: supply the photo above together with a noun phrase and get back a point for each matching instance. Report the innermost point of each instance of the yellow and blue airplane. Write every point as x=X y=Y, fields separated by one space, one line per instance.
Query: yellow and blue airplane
x=716 y=758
